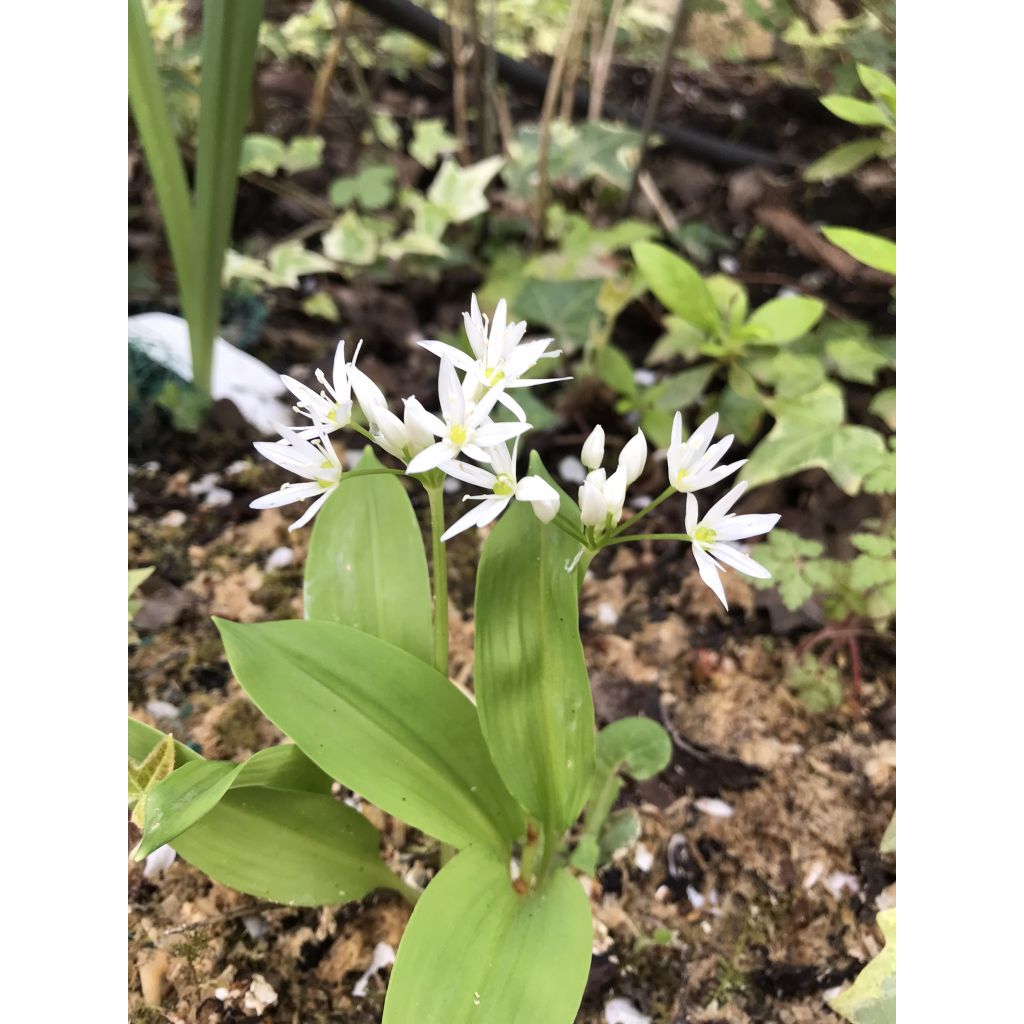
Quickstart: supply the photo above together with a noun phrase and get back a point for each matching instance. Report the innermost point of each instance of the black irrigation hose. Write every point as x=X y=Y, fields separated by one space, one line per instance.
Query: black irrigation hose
x=406 y=15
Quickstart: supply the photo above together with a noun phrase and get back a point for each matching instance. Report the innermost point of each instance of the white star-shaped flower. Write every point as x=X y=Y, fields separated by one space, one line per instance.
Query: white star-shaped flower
x=331 y=409
x=713 y=535
x=503 y=487
x=693 y=465
x=500 y=357
x=465 y=427
x=316 y=461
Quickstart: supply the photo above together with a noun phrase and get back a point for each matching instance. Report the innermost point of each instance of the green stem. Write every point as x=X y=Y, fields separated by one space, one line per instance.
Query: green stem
x=435 y=496
x=567 y=528
x=650 y=507
x=645 y=536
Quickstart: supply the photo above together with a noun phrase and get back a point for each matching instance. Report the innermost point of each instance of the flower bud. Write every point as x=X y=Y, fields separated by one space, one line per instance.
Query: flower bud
x=593 y=449
x=593 y=507
x=615 y=492
x=634 y=456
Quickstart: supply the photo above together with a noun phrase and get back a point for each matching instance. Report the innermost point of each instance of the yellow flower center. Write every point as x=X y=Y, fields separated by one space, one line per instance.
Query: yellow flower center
x=457 y=435
x=494 y=376
x=504 y=485
x=681 y=475
x=329 y=478
x=704 y=535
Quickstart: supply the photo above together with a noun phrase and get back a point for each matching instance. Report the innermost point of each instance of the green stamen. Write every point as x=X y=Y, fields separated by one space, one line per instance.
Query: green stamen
x=504 y=485
x=704 y=535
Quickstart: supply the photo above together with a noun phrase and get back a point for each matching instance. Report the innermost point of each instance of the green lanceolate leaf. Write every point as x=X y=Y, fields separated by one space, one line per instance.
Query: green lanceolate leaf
x=145 y=772
x=872 y=250
x=871 y=999
x=276 y=832
x=288 y=846
x=859 y=112
x=476 y=950
x=677 y=285
x=532 y=689
x=783 y=320
x=639 y=746
x=379 y=720
x=843 y=159
x=366 y=566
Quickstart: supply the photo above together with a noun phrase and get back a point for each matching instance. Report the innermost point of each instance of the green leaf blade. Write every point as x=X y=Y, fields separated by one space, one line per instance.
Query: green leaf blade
x=678 y=285
x=476 y=950
x=533 y=692
x=379 y=720
x=367 y=567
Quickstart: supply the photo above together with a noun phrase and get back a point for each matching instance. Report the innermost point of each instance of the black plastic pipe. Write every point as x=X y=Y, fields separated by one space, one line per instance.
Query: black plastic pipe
x=407 y=16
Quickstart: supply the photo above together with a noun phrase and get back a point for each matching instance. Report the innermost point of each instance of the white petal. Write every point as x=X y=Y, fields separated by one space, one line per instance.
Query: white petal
x=634 y=456
x=342 y=387
x=593 y=507
x=512 y=405
x=425 y=422
x=470 y=474
x=490 y=510
x=705 y=478
x=471 y=518
x=368 y=395
x=741 y=527
x=432 y=457
x=738 y=560
x=615 y=491
x=440 y=349
x=691 y=514
x=708 y=572
x=677 y=431
x=702 y=436
x=491 y=434
x=722 y=506
x=286 y=495
x=311 y=511
x=449 y=392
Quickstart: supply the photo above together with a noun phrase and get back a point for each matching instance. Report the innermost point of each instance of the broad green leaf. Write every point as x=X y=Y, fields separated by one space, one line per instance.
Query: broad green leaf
x=740 y=415
x=783 y=320
x=366 y=566
x=321 y=305
x=476 y=950
x=532 y=689
x=429 y=140
x=303 y=849
x=381 y=721
x=261 y=153
x=350 y=240
x=872 y=250
x=681 y=338
x=143 y=738
x=790 y=373
x=289 y=261
x=566 y=308
x=809 y=432
x=638 y=746
x=677 y=285
x=145 y=772
x=304 y=153
x=883 y=405
x=868 y=115
x=881 y=87
x=858 y=359
x=681 y=389
x=871 y=999
x=843 y=159
x=615 y=369
x=459 y=191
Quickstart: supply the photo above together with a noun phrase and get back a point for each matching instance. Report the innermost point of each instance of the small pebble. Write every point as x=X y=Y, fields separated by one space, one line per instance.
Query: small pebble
x=260 y=995
x=606 y=614
x=150 y=467
x=159 y=861
x=383 y=956
x=204 y=484
x=714 y=807
x=174 y=518
x=643 y=858
x=162 y=709
x=279 y=558
x=622 y=1011
x=132 y=504
x=644 y=377
x=238 y=466
x=152 y=971
x=255 y=926
x=571 y=470
x=728 y=264
x=217 y=496
x=839 y=882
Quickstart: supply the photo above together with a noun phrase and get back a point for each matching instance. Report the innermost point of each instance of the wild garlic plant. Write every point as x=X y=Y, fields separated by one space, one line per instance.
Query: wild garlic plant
x=361 y=687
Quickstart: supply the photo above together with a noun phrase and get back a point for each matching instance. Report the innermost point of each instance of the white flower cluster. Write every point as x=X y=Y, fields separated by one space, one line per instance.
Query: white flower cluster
x=427 y=442
x=423 y=440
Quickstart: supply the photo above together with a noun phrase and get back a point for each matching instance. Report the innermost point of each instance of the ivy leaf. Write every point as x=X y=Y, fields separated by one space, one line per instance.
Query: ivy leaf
x=871 y=999
x=351 y=240
x=372 y=188
x=843 y=159
x=790 y=373
x=289 y=261
x=858 y=359
x=321 y=305
x=459 y=191
x=739 y=414
x=883 y=405
x=304 y=153
x=567 y=308
x=809 y=432
x=262 y=154
x=430 y=139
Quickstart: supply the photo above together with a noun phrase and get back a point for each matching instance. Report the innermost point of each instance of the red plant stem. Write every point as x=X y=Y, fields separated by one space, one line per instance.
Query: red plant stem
x=856 y=672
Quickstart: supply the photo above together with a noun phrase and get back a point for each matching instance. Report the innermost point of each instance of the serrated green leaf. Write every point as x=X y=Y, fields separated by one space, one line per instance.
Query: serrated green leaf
x=459 y=191
x=379 y=720
x=843 y=159
x=532 y=688
x=677 y=285
x=871 y=999
x=261 y=153
x=639 y=746
x=867 y=572
x=871 y=250
x=476 y=950
x=366 y=566
x=874 y=544
x=809 y=432
x=860 y=112
x=784 y=320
